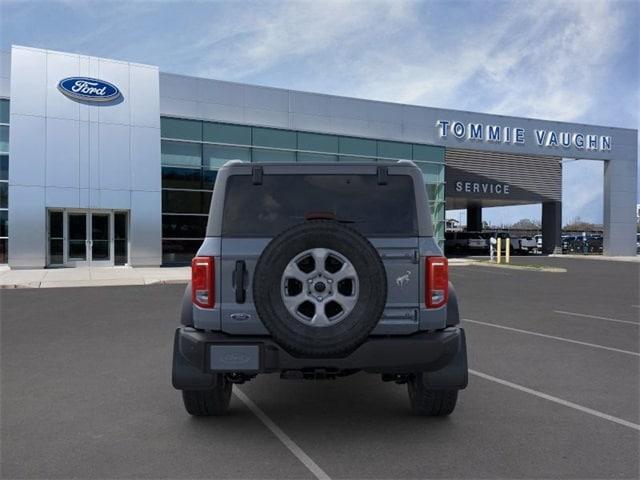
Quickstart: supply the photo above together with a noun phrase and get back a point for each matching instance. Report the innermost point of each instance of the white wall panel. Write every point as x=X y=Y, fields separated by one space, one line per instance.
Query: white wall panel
x=223 y=113
x=27 y=142
x=303 y=121
x=266 y=98
x=118 y=74
x=341 y=107
x=146 y=228
x=144 y=97
x=145 y=155
x=271 y=118
x=115 y=156
x=62 y=197
x=59 y=66
x=223 y=93
x=27 y=247
x=115 y=199
x=179 y=87
x=28 y=82
x=310 y=103
x=84 y=157
x=63 y=153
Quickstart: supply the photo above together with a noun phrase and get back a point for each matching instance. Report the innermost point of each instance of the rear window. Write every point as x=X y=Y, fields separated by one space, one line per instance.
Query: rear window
x=282 y=201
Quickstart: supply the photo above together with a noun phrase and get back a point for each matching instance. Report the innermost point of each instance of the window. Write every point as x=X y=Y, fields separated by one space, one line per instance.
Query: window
x=271 y=137
x=215 y=156
x=209 y=179
x=175 y=177
x=428 y=153
x=224 y=133
x=179 y=252
x=182 y=129
x=358 y=146
x=4 y=195
x=4 y=139
x=4 y=221
x=120 y=245
x=316 y=157
x=184 y=226
x=347 y=158
x=394 y=150
x=317 y=143
x=180 y=153
x=4 y=167
x=263 y=155
x=184 y=201
x=282 y=201
x=4 y=111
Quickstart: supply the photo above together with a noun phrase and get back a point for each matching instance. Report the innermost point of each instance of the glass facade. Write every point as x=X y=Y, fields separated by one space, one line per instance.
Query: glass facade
x=193 y=151
x=4 y=180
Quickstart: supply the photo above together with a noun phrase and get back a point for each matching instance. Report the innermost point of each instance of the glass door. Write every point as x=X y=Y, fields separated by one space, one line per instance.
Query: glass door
x=77 y=240
x=100 y=242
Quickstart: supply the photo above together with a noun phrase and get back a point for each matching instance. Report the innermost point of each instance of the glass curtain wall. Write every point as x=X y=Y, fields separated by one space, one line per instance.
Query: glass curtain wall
x=4 y=181
x=193 y=151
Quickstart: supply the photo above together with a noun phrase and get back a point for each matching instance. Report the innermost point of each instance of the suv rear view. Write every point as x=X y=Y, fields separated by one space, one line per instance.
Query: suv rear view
x=319 y=271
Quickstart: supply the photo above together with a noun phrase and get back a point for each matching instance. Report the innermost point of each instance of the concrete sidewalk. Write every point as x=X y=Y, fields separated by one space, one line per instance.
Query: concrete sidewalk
x=92 y=277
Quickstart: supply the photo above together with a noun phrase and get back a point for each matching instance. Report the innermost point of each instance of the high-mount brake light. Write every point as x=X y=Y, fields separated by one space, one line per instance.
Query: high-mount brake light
x=203 y=282
x=436 y=282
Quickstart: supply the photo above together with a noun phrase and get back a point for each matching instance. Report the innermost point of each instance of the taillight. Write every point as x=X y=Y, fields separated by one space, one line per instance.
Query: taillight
x=203 y=282
x=436 y=282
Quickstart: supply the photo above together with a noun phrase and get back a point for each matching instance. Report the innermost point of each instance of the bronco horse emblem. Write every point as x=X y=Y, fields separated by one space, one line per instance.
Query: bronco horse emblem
x=402 y=280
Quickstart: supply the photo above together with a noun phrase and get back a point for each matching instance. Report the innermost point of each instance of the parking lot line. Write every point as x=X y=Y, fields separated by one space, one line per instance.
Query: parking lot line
x=562 y=339
x=596 y=317
x=560 y=401
x=283 y=437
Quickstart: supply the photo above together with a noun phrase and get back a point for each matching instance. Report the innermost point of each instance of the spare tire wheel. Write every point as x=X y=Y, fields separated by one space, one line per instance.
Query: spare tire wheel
x=320 y=289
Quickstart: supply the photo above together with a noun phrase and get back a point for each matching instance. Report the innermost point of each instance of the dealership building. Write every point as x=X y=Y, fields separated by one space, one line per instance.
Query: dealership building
x=108 y=162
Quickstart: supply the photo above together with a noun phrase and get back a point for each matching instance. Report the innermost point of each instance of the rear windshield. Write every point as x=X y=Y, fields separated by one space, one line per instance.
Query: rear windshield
x=282 y=201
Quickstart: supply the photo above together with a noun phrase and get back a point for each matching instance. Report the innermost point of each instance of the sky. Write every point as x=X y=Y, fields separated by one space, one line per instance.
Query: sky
x=558 y=60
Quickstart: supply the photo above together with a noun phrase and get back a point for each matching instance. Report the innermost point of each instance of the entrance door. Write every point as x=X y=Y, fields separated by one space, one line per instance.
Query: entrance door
x=100 y=242
x=77 y=240
x=87 y=238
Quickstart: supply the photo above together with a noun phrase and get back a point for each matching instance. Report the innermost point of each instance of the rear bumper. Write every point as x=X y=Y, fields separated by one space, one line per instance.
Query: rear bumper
x=198 y=356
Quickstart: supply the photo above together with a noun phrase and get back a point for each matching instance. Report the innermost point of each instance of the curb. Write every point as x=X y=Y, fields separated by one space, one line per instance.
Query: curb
x=96 y=283
x=521 y=267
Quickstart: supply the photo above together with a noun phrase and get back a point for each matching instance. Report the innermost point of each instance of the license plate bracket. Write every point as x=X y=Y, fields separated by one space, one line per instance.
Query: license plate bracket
x=234 y=358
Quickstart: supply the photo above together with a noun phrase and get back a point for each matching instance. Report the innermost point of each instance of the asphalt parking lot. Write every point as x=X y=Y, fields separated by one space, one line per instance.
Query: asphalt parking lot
x=554 y=390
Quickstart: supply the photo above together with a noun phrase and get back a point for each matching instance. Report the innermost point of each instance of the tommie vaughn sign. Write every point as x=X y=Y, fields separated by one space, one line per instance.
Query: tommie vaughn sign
x=88 y=89
x=478 y=132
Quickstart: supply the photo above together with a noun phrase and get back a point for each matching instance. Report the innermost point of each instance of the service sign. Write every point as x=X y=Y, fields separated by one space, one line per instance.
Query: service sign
x=88 y=89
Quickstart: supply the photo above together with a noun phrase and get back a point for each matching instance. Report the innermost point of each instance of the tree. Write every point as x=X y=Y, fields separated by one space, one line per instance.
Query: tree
x=526 y=224
x=579 y=225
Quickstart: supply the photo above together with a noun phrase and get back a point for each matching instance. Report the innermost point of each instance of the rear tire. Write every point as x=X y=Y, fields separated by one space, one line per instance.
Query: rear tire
x=430 y=403
x=212 y=402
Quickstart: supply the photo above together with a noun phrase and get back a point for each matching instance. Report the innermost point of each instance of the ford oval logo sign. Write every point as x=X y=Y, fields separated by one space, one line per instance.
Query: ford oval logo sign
x=89 y=89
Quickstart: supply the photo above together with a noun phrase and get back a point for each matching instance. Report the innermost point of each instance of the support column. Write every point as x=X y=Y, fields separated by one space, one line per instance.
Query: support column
x=474 y=218
x=551 y=227
x=620 y=198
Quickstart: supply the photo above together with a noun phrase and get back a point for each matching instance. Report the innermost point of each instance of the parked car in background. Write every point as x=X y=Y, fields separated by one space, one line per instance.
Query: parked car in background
x=457 y=243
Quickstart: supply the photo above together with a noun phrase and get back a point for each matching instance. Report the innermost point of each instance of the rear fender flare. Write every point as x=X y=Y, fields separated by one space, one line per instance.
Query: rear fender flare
x=186 y=310
x=453 y=313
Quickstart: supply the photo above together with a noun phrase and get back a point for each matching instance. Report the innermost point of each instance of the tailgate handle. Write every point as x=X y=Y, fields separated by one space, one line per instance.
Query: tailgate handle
x=413 y=256
x=239 y=281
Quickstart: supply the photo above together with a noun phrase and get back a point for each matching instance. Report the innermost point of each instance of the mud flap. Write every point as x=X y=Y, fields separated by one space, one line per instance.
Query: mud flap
x=455 y=375
x=184 y=375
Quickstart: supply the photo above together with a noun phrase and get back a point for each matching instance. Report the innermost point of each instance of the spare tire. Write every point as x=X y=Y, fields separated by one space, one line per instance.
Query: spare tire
x=320 y=288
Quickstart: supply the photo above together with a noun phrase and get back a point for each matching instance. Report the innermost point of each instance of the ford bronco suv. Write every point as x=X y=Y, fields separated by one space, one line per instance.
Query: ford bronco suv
x=319 y=271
